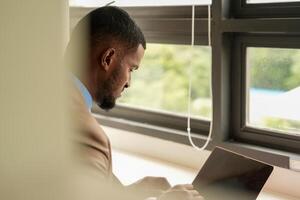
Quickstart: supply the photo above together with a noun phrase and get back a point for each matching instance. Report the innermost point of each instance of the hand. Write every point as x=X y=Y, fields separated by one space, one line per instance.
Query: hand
x=181 y=192
x=150 y=186
x=150 y=182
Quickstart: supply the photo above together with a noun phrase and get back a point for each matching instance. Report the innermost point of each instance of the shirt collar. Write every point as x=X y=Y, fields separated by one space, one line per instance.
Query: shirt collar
x=85 y=93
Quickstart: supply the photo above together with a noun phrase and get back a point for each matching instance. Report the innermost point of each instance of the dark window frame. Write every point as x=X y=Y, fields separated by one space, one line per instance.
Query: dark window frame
x=242 y=9
x=158 y=118
x=242 y=132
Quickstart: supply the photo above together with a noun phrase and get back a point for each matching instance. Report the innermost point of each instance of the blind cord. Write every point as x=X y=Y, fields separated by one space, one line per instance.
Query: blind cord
x=190 y=83
x=110 y=3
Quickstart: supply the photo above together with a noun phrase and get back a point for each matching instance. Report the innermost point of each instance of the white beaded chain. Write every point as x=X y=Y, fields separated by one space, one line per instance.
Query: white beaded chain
x=190 y=83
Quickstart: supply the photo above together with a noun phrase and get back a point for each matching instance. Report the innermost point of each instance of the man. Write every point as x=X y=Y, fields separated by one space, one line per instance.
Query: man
x=105 y=48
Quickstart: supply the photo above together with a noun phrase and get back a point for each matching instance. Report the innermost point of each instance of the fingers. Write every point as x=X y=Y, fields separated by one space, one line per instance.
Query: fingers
x=198 y=198
x=183 y=191
x=194 y=192
x=157 y=182
x=151 y=193
x=184 y=187
x=153 y=183
x=190 y=193
x=181 y=195
x=163 y=182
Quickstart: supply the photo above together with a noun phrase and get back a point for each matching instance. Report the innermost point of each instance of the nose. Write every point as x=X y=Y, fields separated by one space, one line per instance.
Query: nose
x=127 y=85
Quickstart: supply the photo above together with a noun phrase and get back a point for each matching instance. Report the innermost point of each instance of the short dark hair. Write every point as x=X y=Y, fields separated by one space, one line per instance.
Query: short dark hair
x=100 y=27
x=112 y=23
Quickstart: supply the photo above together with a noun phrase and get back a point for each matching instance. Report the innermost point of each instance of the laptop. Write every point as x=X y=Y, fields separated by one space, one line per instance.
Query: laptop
x=228 y=176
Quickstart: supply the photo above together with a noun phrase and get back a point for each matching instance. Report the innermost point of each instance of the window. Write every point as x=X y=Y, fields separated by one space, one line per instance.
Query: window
x=273 y=89
x=266 y=9
x=162 y=81
x=271 y=1
x=263 y=75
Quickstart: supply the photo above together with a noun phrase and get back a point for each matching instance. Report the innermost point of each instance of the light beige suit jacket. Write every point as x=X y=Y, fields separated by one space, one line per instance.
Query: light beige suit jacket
x=93 y=142
x=95 y=150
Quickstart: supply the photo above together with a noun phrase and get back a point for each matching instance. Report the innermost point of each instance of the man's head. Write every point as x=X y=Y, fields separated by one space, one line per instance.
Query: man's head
x=115 y=47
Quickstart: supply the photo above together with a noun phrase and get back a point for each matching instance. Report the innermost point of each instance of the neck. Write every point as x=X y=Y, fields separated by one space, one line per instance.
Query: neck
x=86 y=81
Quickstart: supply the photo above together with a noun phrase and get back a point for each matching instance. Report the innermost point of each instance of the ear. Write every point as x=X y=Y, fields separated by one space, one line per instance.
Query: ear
x=106 y=59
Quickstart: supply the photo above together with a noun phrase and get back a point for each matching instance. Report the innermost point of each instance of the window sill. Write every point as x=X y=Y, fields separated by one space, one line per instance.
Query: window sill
x=152 y=130
x=271 y=156
x=142 y=166
x=158 y=157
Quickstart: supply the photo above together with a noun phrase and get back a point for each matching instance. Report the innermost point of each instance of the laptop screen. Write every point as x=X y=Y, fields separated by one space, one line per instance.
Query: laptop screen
x=229 y=176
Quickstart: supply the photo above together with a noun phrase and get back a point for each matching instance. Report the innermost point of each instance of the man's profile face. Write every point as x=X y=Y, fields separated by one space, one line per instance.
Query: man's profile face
x=119 y=78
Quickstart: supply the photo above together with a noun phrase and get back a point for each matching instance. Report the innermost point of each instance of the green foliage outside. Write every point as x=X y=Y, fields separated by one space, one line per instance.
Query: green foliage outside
x=162 y=81
x=274 y=69
x=282 y=124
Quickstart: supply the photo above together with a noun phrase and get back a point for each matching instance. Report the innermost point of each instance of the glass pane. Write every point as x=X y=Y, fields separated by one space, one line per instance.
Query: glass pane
x=274 y=89
x=128 y=3
x=271 y=1
x=161 y=83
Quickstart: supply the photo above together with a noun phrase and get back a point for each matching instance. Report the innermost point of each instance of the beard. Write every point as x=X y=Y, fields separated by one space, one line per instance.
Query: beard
x=104 y=96
x=107 y=103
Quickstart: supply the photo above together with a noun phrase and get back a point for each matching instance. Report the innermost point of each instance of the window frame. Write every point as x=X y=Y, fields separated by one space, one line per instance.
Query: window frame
x=242 y=9
x=242 y=132
x=154 y=117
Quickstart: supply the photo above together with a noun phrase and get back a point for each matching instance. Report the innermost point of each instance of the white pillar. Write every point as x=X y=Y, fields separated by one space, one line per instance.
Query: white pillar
x=34 y=144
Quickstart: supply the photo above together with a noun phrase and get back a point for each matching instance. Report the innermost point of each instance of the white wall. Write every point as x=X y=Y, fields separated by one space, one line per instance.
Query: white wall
x=33 y=126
